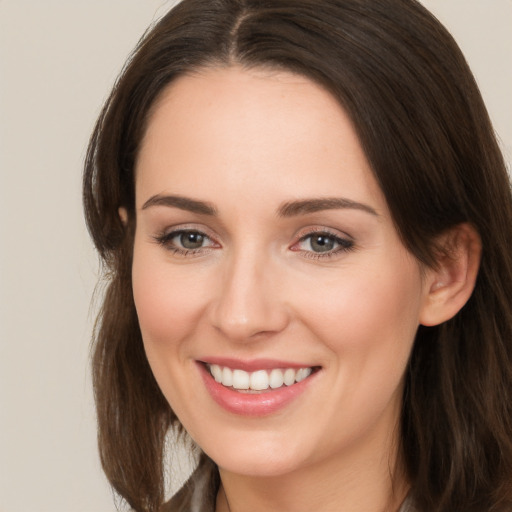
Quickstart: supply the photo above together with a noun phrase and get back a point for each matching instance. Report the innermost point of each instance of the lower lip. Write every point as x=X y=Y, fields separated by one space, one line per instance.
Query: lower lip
x=252 y=404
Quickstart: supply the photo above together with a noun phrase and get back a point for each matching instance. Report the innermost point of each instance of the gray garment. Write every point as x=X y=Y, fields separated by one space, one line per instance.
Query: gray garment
x=200 y=492
x=407 y=505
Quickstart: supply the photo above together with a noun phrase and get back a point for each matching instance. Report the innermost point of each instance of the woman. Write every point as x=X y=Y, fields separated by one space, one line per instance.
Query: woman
x=304 y=217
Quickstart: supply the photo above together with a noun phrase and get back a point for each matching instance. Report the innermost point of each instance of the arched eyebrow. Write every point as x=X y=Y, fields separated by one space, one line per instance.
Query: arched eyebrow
x=181 y=202
x=305 y=206
x=288 y=209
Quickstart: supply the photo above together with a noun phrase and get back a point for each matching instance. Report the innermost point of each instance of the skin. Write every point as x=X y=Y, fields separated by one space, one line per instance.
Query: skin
x=247 y=143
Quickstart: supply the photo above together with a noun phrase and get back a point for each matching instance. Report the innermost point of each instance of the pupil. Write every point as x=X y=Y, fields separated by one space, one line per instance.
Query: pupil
x=322 y=243
x=191 y=240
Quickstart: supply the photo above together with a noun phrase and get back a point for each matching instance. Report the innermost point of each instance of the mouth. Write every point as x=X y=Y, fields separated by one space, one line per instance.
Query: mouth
x=256 y=388
x=263 y=380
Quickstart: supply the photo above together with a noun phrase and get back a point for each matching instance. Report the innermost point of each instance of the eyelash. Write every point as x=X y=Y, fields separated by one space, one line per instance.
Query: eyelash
x=165 y=240
x=344 y=244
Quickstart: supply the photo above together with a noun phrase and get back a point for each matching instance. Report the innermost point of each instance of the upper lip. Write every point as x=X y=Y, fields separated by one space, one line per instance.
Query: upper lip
x=251 y=365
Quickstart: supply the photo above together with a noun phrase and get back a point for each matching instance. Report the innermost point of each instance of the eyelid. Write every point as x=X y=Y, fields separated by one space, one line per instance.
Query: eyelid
x=305 y=232
x=177 y=228
x=344 y=240
x=165 y=236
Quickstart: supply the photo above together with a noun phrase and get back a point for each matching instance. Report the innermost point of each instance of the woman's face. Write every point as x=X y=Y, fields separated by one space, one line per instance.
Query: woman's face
x=264 y=246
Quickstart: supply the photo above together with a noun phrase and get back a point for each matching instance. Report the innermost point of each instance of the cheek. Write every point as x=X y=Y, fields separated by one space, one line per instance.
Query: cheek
x=168 y=303
x=368 y=316
x=368 y=320
x=169 y=307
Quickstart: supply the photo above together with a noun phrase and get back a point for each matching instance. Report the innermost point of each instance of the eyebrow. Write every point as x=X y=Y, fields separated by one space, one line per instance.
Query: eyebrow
x=183 y=203
x=288 y=209
x=305 y=206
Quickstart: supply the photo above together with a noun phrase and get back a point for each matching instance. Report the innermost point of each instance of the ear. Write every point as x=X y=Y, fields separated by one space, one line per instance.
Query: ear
x=451 y=283
x=123 y=215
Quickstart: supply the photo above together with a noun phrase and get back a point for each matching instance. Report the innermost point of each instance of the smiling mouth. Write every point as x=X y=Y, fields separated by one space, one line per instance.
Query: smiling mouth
x=260 y=380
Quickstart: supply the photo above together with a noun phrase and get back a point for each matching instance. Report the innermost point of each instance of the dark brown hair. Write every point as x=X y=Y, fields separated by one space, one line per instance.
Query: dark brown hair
x=426 y=133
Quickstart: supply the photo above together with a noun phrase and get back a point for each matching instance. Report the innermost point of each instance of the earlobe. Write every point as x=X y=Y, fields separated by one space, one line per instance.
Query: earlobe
x=449 y=286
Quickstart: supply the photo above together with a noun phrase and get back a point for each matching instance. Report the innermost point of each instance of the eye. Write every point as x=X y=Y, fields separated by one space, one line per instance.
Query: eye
x=189 y=239
x=319 y=243
x=322 y=243
x=185 y=241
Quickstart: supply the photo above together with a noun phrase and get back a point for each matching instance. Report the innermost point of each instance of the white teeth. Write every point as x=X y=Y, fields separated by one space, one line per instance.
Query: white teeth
x=241 y=379
x=276 y=379
x=259 y=380
x=289 y=376
x=227 y=376
x=216 y=371
x=302 y=374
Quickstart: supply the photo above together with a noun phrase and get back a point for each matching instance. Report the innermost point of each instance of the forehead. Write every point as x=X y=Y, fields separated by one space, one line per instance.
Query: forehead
x=255 y=129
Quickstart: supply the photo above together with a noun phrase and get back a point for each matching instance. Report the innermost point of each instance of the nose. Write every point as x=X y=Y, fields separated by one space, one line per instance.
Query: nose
x=249 y=303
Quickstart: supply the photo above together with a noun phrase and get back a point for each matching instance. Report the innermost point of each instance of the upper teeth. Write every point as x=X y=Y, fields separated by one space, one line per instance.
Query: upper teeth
x=258 y=380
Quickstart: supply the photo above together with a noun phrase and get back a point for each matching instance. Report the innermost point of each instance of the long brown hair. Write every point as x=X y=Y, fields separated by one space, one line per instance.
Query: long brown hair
x=426 y=133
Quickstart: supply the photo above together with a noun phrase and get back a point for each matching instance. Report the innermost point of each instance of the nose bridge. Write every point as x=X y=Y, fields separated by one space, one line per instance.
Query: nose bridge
x=249 y=302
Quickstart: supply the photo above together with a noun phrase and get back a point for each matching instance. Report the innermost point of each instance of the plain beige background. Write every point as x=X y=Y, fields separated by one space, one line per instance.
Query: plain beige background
x=58 y=60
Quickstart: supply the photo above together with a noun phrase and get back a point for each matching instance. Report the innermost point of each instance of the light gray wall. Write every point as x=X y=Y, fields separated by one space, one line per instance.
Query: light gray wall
x=58 y=60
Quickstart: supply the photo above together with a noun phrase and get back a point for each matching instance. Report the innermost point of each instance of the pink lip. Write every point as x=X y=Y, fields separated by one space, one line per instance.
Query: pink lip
x=248 y=404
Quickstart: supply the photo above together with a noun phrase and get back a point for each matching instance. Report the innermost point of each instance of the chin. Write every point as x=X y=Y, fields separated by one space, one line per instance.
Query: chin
x=257 y=457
